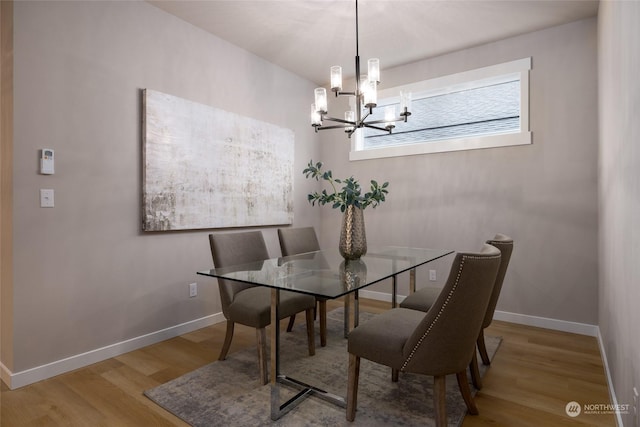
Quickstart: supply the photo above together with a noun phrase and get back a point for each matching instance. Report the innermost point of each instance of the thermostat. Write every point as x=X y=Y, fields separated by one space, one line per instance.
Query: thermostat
x=46 y=161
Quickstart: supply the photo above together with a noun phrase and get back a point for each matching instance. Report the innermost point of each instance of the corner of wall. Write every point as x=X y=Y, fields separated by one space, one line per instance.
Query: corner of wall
x=607 y=372
x=6 y=184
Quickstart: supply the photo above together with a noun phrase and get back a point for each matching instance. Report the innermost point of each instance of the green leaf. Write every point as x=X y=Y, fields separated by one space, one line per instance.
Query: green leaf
x=343 y=192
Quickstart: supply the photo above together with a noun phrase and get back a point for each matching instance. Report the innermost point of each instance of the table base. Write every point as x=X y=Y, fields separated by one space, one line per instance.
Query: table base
x=306 y=390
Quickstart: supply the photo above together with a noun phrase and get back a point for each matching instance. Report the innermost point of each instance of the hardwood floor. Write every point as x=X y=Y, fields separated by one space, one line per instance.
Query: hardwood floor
x=534 y=374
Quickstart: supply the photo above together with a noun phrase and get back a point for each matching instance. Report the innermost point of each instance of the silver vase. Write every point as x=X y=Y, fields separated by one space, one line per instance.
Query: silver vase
x=353 y=273
x=353 y=239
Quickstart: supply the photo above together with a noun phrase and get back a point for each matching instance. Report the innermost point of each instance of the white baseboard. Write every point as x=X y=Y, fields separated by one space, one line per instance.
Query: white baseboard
x=521 y=319
x=5 y=374
x=379 y=296
x=612 y=391
x=20 y=379
x=547 y=323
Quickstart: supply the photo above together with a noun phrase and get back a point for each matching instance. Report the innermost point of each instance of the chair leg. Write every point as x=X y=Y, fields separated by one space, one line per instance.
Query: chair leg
x=292 y=320
x=323 y=322
x=227 y=341
x=483 y=349
x=475 y=372
x=261 y=336
x=440 y=399
x=466 y=392
x=352 y=386
x=311 y=336
x=394 y=375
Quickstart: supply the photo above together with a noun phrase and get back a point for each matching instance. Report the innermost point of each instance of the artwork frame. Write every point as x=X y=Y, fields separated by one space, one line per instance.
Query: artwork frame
x=204 y=167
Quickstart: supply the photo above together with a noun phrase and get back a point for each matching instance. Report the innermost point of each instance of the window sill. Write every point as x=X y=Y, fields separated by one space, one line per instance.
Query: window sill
x=442 y=146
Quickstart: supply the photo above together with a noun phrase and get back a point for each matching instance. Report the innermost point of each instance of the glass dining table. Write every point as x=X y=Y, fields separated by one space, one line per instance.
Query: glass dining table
x=324 y=274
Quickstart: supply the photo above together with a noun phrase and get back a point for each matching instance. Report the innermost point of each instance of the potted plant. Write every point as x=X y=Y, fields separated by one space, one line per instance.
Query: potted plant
x=346 y=194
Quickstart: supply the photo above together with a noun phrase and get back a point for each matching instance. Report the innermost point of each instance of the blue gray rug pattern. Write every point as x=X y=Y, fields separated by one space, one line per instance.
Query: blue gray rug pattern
x=228 y=393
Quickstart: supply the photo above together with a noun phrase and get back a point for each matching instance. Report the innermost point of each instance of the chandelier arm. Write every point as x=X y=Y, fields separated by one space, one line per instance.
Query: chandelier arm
x=335 y=119
x=362 y=119
x=367 y=125
x=397 y=119
x=333 y=127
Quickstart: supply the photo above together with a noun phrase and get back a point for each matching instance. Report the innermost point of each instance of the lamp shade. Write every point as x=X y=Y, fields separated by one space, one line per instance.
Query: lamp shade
x=336 y=78
x=321 y=100
x=405 y=102
x=373 y=70
x=370 y=93
x=349 y=116
x=316 y=119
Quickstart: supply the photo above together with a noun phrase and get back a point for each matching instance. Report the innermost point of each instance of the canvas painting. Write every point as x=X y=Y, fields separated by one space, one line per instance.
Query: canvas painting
x=209 y=168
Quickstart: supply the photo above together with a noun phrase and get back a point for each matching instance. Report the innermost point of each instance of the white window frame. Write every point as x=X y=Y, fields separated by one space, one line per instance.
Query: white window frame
x=451 y=83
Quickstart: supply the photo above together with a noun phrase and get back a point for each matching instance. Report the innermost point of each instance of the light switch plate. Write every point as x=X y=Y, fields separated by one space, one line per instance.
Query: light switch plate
x=46 y=198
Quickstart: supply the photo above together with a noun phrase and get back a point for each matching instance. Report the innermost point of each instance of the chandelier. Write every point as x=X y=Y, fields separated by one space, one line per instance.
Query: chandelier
x=366 y=98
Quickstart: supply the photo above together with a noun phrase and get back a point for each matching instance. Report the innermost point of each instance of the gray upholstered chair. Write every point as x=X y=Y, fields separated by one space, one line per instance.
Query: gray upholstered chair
x=505 y=244
x=251 y=305
x=424 y=298
x=294 y=241
x=439 y=342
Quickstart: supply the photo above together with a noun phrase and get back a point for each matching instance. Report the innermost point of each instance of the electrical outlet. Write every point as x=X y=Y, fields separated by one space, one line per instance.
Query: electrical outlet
x=432 y=275
x=193 y=290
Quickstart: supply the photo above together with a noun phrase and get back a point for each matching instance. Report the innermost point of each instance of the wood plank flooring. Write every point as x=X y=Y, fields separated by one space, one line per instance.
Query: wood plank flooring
x=534 y=374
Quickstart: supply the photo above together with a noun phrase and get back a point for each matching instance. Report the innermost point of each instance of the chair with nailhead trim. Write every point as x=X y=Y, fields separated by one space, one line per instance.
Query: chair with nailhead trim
x=424 y=298
x=439 y=342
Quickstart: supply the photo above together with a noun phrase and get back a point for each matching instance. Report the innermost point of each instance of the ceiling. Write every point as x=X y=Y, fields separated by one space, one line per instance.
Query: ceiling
x=307 y=37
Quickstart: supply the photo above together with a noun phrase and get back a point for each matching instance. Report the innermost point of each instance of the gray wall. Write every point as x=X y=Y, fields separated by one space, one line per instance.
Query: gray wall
x=619 y=178
x=544 y=195
x=85 y=276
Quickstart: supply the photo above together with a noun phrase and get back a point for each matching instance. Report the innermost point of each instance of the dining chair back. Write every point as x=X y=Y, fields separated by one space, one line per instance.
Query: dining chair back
x=444 y=341
x=505 y=244
x=295 y=241
x=235 y=249
x=250 y=305
x=424 y=298
x=438 y=342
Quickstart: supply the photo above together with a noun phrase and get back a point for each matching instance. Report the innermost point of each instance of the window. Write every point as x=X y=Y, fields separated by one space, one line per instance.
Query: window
x=487 y=107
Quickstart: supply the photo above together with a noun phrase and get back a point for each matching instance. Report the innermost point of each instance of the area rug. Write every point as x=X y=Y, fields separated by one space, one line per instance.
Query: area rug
x=228 y=393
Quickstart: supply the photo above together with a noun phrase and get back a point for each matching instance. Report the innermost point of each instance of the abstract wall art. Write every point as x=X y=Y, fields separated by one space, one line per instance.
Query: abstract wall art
x=208 y=168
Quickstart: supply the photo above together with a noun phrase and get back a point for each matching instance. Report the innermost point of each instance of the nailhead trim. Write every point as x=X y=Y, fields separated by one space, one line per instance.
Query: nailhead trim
x=446 y=302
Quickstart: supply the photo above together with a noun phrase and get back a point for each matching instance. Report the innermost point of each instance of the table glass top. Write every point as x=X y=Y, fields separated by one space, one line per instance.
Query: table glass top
x=325 y=273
